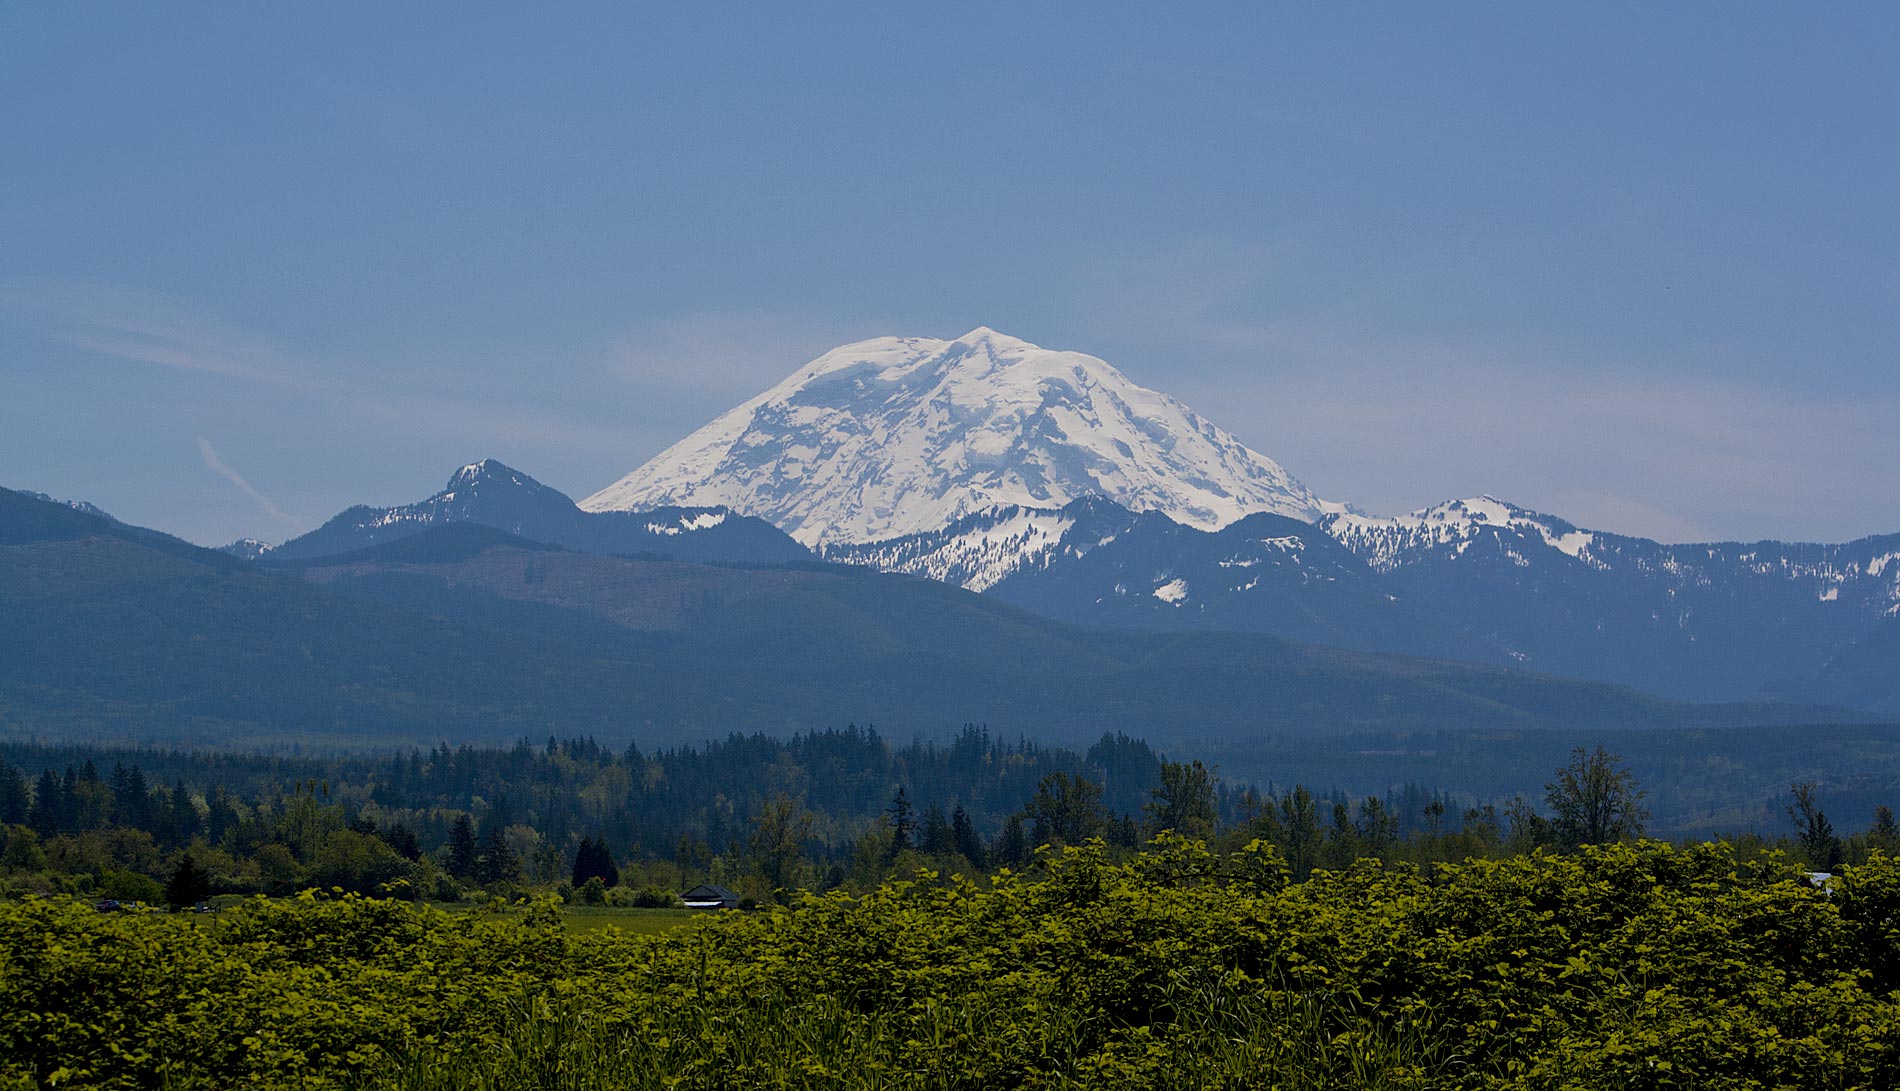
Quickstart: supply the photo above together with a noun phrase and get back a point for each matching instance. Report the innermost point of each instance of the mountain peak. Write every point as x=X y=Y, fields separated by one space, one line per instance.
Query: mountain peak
x=1386 y=543
x=901 y=435
x=76 y=505
x=247 y=549
x=983 y=335
x=488 y=469
x=494 y=495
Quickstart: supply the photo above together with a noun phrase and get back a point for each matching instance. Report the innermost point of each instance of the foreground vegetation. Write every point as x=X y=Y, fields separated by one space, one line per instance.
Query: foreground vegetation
x=1631 y=965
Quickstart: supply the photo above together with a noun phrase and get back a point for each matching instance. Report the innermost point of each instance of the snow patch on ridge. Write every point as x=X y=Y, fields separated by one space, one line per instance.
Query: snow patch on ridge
x=975 y=553
x=1389 y=543
x=686 y=524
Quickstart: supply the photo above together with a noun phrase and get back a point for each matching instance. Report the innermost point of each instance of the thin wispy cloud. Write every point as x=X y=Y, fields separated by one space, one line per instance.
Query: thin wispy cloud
x=1676 y=458
x=217 y=466
x=1393 y=420
x=145 y=327
x=725 y=356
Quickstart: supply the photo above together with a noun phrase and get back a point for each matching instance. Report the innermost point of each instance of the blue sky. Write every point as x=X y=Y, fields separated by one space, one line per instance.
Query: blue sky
x=1636 y=265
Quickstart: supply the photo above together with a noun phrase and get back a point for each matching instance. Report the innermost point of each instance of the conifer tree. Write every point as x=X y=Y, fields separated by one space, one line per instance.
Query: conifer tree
x=186 y=823
x=1298 y=821
x=1012 y=845
x=495 y=860
x=594 y=860
x=902 y=822
x=464 y=856
x=188 y=885
x=44 y=816
x=936 y=840
x=964 y=839
x=15 y=797
x=1885 y=832
x=222 y=817
x=403 y=839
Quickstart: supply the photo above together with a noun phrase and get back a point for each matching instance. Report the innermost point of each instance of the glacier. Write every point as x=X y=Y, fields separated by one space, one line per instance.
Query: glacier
x=896 y=436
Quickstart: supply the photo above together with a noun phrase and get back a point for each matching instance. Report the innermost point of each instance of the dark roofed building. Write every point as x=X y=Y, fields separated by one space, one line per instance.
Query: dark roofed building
x=707 y=896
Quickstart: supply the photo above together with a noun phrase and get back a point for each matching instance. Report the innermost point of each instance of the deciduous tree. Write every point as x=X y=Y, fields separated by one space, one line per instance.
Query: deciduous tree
x=1184 y=801
x=1594 y=800
x=1812 y=829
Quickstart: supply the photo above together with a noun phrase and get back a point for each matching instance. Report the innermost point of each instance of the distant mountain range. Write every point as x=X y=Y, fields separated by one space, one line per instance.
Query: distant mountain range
x=1049 y=482
x=465 y=632
x=1473 y=579
x=1704 y=621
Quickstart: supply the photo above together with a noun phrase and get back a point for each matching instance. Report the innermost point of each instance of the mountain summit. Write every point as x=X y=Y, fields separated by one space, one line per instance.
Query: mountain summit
x=903 y=435
x=490 y=494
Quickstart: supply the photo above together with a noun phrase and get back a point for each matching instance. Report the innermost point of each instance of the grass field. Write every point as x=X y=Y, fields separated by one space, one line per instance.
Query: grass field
x=581 y=919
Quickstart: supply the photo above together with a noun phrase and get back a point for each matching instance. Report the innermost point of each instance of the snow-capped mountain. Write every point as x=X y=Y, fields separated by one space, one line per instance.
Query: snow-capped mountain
x=77 y=505
x=906 y=435
x=495 y=495
x=1708 y=620
x=1093 y=562
x=1451 y=527
x=1863 y=576
x=1477 y=579
x=247 y=549
x=1049 y=480
x=980 y=550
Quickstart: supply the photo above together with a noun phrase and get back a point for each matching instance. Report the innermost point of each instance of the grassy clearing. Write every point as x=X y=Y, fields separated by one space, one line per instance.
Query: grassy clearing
x=584 y=919
x=578 y=919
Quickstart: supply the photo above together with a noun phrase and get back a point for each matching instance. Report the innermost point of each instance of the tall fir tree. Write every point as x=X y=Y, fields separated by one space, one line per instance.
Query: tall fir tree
x=903 y=821
x=964 y=839
x=188 y=885
x=44 y=816
x=1012 y=845
x=16 y=799
x=464 y=854
x=495 y=860
x=186 y=823
x=594 y=860
x=936 y=839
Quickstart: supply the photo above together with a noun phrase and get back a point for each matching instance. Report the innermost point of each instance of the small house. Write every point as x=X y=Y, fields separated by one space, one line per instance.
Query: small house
x=707 y=896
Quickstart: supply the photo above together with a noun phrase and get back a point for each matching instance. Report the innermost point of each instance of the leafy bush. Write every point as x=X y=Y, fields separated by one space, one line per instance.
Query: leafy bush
x=1634 y=965
x=653 y=897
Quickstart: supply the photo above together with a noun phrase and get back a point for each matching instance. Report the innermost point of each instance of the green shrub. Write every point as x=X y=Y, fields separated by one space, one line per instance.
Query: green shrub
x=1634 y=965
x=130 y=886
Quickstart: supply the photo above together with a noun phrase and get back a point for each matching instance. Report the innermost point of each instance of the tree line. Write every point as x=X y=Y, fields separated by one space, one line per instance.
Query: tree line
x=819 y=811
